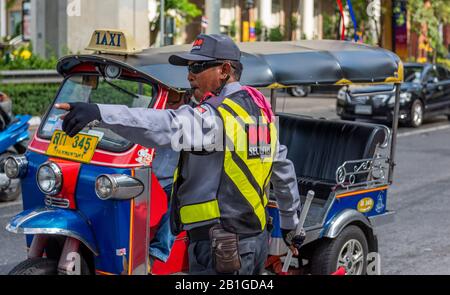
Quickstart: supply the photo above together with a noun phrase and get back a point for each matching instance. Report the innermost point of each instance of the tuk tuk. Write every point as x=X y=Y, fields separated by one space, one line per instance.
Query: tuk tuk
x=93 y=204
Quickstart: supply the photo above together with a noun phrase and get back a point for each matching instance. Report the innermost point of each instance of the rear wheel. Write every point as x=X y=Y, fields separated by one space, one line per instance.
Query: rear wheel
x=416 y=114
x=13 y=191
x=348 y=250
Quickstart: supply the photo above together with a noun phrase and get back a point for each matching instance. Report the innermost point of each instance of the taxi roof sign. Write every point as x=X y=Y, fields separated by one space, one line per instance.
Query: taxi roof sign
x=112 y=41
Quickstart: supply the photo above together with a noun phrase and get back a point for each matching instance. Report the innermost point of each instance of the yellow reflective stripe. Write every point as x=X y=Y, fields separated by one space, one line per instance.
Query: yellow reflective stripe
x=256 y=166
x=240 y=111
x=245 y=187
x=199 y=212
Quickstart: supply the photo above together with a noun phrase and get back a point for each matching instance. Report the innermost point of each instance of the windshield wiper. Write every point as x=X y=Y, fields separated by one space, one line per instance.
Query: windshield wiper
x=121 y=89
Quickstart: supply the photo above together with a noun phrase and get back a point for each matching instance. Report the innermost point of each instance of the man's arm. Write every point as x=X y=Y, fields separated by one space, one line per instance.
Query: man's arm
x=184 y=128
x=285 y=189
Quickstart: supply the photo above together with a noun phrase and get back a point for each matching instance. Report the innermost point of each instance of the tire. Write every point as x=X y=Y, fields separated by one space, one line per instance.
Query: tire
x=36 y=266
x=299 y=91
x=416 y=114
x=14 y=190
x=448 y=117
x=44 y=266
x=325 y=259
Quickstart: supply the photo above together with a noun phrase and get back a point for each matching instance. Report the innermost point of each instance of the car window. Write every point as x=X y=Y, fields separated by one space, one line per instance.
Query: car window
x=413 y=74
x=442 y=74
x=430 y=75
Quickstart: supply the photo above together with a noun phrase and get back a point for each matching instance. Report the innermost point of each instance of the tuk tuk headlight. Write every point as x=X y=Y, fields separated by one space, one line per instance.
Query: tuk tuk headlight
x=15 y=166
x=117 y=187
x=49 y=178
x=404 y=98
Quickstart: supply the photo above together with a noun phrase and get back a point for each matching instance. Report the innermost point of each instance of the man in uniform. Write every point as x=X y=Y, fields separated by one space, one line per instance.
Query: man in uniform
x=229 y=155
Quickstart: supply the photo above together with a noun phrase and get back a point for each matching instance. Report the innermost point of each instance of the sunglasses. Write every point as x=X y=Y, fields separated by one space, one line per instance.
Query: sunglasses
x=198 y=67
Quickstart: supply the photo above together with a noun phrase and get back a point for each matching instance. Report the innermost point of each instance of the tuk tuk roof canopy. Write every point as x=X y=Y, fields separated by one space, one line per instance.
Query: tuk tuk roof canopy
x=269 y=64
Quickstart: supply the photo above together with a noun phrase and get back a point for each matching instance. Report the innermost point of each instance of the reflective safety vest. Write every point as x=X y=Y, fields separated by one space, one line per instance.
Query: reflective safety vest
x=247 y=158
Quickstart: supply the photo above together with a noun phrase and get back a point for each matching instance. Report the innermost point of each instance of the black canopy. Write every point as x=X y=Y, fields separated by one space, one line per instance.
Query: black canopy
x=270 y=64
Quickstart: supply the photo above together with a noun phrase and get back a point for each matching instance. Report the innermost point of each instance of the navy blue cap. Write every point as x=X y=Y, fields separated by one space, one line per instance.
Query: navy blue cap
x=208 y=48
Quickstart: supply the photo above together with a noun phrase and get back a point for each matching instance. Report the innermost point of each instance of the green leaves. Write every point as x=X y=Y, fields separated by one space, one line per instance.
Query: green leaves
x=433 y=14
x=32 y=99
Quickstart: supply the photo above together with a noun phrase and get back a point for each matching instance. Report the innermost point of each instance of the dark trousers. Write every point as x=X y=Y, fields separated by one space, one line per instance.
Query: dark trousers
x=253 y=252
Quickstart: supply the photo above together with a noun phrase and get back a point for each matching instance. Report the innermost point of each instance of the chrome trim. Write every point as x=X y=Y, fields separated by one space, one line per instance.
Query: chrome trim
x=58 y=178
x=346 y=173
x=382 y=219
x=373 y=93
x=49 y=231
x=124 y=187
x=56 y=202
x=22 y=165
x=342 y=220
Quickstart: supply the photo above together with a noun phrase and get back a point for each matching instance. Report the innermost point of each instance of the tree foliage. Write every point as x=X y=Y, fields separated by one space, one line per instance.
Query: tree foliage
x=433 y=15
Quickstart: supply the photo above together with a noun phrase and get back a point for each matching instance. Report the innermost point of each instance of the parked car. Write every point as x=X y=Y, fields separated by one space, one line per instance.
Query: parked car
x=424 y=93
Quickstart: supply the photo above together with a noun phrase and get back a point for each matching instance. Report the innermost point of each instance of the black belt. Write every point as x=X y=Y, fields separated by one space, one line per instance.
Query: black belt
x=201 y=233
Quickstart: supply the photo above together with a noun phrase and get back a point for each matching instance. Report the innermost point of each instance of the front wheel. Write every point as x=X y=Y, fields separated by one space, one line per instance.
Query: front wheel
x=36 y=266
x=45 y=266
x=349 y=250
x=416 y=114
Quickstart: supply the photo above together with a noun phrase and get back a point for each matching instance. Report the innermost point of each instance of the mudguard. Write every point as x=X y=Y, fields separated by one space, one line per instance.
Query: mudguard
x=54 y=221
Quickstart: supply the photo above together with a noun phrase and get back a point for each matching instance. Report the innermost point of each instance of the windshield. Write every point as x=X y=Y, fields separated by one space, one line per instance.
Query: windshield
x=95 y=89
x=413 y=74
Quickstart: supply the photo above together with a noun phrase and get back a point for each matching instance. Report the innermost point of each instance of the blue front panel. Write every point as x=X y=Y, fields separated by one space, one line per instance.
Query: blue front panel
x=109 y=220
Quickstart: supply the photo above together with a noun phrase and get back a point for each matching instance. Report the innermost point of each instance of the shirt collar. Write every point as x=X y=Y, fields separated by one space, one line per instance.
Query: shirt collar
x=230 y=88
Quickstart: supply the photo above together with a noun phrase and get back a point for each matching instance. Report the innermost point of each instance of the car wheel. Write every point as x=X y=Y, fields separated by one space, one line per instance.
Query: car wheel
x=349 y=250
x=14 y=189
x=416 y=114
x=299 y=91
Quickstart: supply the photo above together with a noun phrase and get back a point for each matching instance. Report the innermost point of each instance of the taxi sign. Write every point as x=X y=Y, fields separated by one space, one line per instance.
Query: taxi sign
x=80 y=148
x=112 y=41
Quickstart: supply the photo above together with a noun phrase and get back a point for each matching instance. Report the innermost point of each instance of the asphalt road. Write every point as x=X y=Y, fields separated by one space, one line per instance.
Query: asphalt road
x=418 y=242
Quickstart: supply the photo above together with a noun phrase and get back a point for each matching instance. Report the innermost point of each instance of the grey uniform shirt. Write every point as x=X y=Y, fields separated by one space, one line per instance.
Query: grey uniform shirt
x=192 y=129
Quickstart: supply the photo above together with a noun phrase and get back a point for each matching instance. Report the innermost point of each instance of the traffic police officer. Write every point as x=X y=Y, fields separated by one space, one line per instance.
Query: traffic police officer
x=229 y=155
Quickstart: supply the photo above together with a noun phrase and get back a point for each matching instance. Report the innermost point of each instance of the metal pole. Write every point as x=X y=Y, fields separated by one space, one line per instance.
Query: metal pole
x=161 y=22
x=394 y=132
x=273 y=100
x=212 y=8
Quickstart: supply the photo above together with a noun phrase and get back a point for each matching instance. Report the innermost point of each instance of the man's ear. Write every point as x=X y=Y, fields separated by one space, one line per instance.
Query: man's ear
x=226 y=71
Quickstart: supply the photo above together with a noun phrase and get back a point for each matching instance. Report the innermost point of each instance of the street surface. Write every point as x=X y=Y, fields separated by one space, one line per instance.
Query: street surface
x=418 y=242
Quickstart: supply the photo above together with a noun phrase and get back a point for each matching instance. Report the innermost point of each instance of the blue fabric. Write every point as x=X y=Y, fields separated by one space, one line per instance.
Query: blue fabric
x=162 y=243
x=164 y=166
x=352 y=14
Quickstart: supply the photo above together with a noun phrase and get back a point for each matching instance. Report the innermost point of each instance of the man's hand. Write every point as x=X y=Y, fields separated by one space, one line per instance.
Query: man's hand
x=80 y=114
x=293 y=241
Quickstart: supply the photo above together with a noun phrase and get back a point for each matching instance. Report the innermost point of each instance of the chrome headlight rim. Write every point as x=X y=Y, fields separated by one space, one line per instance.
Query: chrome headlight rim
x=21 y=162
x=123 y=187
x=114 y=186
x=56 y=189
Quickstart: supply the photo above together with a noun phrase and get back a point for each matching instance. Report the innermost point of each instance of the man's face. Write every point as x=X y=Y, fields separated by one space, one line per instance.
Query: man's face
x=206 y=81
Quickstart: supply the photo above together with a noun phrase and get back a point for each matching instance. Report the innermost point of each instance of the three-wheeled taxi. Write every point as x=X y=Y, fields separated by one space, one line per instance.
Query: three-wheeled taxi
x=92 y=203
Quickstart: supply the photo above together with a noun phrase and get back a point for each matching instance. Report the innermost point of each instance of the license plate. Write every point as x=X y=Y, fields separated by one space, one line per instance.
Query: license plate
x=80 y=148
x=363 y=109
